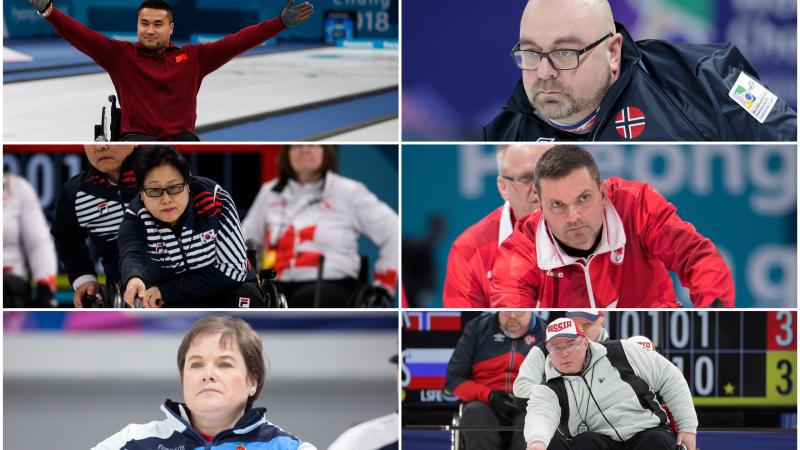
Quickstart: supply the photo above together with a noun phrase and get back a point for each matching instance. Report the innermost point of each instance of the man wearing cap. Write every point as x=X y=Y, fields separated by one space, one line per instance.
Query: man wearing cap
x=598 y=243
x=531 y=372
x=469 y=265
x=602 y=396
x=481 y=373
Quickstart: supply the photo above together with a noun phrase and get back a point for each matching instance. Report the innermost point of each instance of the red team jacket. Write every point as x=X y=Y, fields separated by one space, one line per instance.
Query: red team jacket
x=158 y=91
x=643 y=238
x=469 y=265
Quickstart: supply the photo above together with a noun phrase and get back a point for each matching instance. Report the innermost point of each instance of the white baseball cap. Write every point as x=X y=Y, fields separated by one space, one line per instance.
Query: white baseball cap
x=563 y=327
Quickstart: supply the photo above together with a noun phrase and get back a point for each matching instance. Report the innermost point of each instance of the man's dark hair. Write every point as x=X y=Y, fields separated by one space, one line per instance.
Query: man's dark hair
x=154 y=156
x=561 y=160
x=157 y=4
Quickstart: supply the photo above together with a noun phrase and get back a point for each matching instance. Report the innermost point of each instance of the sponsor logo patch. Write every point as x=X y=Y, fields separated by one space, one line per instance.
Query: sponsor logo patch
x=753 y=97
x=617 y=256
x=244 y=302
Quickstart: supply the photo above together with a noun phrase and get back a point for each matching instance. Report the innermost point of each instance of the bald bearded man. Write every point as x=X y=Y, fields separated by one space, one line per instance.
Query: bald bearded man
x=585 y=78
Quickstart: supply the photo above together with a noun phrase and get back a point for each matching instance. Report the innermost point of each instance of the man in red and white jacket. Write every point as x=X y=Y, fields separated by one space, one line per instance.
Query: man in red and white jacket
x=603 y=244
x=469 y=265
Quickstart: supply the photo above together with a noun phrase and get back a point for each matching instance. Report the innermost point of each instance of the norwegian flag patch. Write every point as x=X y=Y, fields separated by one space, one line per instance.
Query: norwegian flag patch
x=630 y=122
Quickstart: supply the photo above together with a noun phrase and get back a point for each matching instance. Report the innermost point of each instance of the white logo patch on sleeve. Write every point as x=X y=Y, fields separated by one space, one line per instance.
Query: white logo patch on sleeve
x=753 y=97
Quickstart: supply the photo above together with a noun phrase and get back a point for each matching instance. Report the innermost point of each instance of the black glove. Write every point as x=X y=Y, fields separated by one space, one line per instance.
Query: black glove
x=292 y=15
x=44 y=297
x=39 y=5
x=503 y=404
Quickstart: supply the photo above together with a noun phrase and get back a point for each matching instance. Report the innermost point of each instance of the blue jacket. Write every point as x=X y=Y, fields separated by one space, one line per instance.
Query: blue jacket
x=175 y=432
x=206 y=257
x=679 y=91
x=91 y=206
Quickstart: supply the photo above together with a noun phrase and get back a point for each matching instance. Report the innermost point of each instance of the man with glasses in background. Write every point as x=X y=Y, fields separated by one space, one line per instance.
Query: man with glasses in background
x=92 y=204
x=585 y=78
x=469 y=265
x=601 y=396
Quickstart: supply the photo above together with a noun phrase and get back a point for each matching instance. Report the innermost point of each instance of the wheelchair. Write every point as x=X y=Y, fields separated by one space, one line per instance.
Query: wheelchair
x=115 y=127
x=364 y=295
x=456 y=439
x=456 y=434
x=115 y=114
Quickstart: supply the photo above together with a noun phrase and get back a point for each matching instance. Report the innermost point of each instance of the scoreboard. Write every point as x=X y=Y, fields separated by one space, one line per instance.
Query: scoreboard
x=728 y=358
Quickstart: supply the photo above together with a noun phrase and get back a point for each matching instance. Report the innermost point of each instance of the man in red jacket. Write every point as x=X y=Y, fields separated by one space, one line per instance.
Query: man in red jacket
x=603 y=244
x=156 y=82
x=469 y=265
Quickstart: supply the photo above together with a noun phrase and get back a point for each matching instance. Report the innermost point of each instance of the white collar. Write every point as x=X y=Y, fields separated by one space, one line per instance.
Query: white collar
x=506 y=227
x=549 y=254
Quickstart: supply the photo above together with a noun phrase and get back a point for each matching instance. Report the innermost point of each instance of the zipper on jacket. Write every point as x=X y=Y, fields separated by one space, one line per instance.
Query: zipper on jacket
x=587 y=277
x=510 y=365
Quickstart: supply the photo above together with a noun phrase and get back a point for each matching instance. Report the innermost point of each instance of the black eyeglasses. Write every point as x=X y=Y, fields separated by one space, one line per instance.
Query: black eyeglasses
x=175 y=189
x=560 y=59
x=519 y=180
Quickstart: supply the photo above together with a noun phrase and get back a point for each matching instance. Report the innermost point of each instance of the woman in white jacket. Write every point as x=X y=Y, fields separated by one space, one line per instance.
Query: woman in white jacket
x=308 y=221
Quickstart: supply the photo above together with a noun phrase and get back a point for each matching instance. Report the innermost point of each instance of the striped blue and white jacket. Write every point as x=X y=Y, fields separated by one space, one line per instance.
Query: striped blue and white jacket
x=192 y=265
x=92 y=206
x=252 y=432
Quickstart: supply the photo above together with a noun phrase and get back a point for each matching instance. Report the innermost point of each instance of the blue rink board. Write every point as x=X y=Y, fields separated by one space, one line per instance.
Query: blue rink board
x=706 y=440
x=309 y=122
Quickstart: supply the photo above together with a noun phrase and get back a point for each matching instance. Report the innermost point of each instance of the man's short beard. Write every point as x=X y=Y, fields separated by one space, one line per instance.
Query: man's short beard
x=570 y=106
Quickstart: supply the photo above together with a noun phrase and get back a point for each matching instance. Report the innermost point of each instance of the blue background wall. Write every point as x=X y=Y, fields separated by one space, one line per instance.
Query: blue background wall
x=377 y=18
x=741 y=197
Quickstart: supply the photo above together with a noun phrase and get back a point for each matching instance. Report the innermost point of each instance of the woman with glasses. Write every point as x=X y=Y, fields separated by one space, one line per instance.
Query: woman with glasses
x=180 y=240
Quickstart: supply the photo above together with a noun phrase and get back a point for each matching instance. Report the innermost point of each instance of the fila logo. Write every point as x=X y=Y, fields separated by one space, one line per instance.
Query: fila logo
x=244 y=302
x=102 y=207
x=551 y=273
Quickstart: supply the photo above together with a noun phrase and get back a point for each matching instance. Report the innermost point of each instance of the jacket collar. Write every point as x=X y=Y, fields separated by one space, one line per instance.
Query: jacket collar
x=506 y=226
x=596 y=351
x=549 y=254
x=179 y=419
x=631 y=55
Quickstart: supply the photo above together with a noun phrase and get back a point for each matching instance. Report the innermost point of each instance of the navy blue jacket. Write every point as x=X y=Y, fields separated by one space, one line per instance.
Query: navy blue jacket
x=681 y=91
x=91 y=206
x=252 y=431
x=486 y=359
x=192 y=265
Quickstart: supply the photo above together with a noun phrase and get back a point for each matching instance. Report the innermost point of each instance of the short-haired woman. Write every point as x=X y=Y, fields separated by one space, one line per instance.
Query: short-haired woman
x=222 y=371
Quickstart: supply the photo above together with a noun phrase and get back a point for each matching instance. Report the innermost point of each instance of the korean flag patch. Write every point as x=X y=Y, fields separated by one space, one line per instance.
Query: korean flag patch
x=207 y=236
